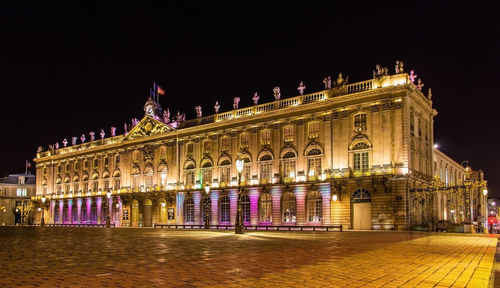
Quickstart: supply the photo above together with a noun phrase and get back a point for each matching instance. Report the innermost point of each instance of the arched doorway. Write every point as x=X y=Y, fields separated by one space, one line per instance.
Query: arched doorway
x=148 y=215
x=361 y=210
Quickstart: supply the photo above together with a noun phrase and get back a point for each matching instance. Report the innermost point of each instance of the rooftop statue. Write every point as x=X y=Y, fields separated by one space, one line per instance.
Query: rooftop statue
x=125 y=128
x=413 y=76
x=198 y=111
x=255 y=98
x=420 y=84
x=328 y=82
x=277 y=93
x=380 y=71
x=399 y=67
x=341 y=81
x=65 y=142
x=113 y=131
x=236 y=102
x=216 y=107
x=92 y=135
x=166 y=116
x=82 y=138
x=301 y=88
x=73 y=140
x=102 y=134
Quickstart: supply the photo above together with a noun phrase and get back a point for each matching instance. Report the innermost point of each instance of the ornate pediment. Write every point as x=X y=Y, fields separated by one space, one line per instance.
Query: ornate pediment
x=148 y=127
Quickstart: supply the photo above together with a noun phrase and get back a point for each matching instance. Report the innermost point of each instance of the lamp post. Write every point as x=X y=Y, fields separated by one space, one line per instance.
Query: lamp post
x=238 y=226
x=207 y=219
x=108 y=220
x=42 y=222
x=485 y=194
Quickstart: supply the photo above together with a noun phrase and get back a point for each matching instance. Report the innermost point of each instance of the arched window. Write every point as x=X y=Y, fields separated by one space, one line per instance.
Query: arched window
x=189 y=210
x=288 y=207
x=189 y=172
x=361 y=195
x=245 y=208
x=314 y=162
x=265 y=208
x=225 y=209
x=361 y=157
x=266 y=163
x=206 y=173
x=225 y=171
x=289 y=162
x=314 y=207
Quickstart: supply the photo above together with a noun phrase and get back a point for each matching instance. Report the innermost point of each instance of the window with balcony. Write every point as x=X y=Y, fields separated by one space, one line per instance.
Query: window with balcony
x=361 y=157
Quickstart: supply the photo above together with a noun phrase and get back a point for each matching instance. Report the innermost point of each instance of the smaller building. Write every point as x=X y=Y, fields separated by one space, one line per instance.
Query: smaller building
x=15 y=204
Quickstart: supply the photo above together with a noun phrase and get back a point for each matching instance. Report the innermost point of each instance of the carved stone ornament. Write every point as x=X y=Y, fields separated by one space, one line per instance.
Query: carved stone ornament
x=148 y=127
x=148 y=153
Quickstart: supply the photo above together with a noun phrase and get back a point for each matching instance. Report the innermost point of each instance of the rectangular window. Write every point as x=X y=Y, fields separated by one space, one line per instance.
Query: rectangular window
x=244 y=141
x=265 y=137
x=207 y=176
x=76 y=166
x=266 y=172
x=106 y=161
x=96 y=163
x=246 y=173
x=412 y=122
x=314 y=164
x=135 y=181
x=67 y=168
x=289 y=168
x=206 y=147
x=190 y=149
x=313 y=130
x=117 y=160
x=225 y=174
x=288 y=134
x=59 y=169
x=106 y=185
x=85 y=186
x=76 y=187
x=224 y=144
x=426 y=132
x=419 y=127
x=22 y=192
x=360 y=122
x=85 y=164
x=96 y=186
x=190 y=177
x=44 y=171
x=117 y=183
x=361 y=161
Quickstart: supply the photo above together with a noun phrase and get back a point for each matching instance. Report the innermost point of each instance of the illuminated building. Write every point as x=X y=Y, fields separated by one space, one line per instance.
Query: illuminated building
x=349 y=155
x=15 y=204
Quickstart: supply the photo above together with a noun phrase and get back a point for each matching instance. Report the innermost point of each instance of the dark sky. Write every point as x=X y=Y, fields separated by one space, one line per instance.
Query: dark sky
x=71 y=68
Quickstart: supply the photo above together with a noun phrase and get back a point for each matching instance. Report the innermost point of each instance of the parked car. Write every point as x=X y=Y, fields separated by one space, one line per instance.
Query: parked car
x=442 y=225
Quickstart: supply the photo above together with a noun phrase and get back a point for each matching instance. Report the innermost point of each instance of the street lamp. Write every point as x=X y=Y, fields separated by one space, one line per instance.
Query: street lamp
x=42 y=222
x=485 y=193
x=207 y=219
x=108 y=220
x=238 y=226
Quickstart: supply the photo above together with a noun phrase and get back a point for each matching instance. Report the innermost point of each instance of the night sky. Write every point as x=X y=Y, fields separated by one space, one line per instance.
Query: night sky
x=72 y=68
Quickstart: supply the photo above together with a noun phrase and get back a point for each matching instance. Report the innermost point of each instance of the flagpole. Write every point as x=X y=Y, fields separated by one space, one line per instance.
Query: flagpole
x=26 y=167
x=154 y=91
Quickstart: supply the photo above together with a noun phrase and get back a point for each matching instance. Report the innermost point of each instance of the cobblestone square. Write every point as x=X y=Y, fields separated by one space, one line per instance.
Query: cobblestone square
x=93 y=257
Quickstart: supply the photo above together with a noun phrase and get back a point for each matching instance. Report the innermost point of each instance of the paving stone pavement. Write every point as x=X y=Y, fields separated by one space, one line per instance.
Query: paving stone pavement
x=98 y=257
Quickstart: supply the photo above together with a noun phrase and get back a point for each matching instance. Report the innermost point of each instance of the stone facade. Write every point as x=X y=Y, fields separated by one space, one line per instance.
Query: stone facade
x=15 y=204
x=346 y=155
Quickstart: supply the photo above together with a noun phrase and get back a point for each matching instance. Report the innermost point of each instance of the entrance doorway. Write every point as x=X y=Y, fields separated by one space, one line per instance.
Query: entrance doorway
x=361 y=210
